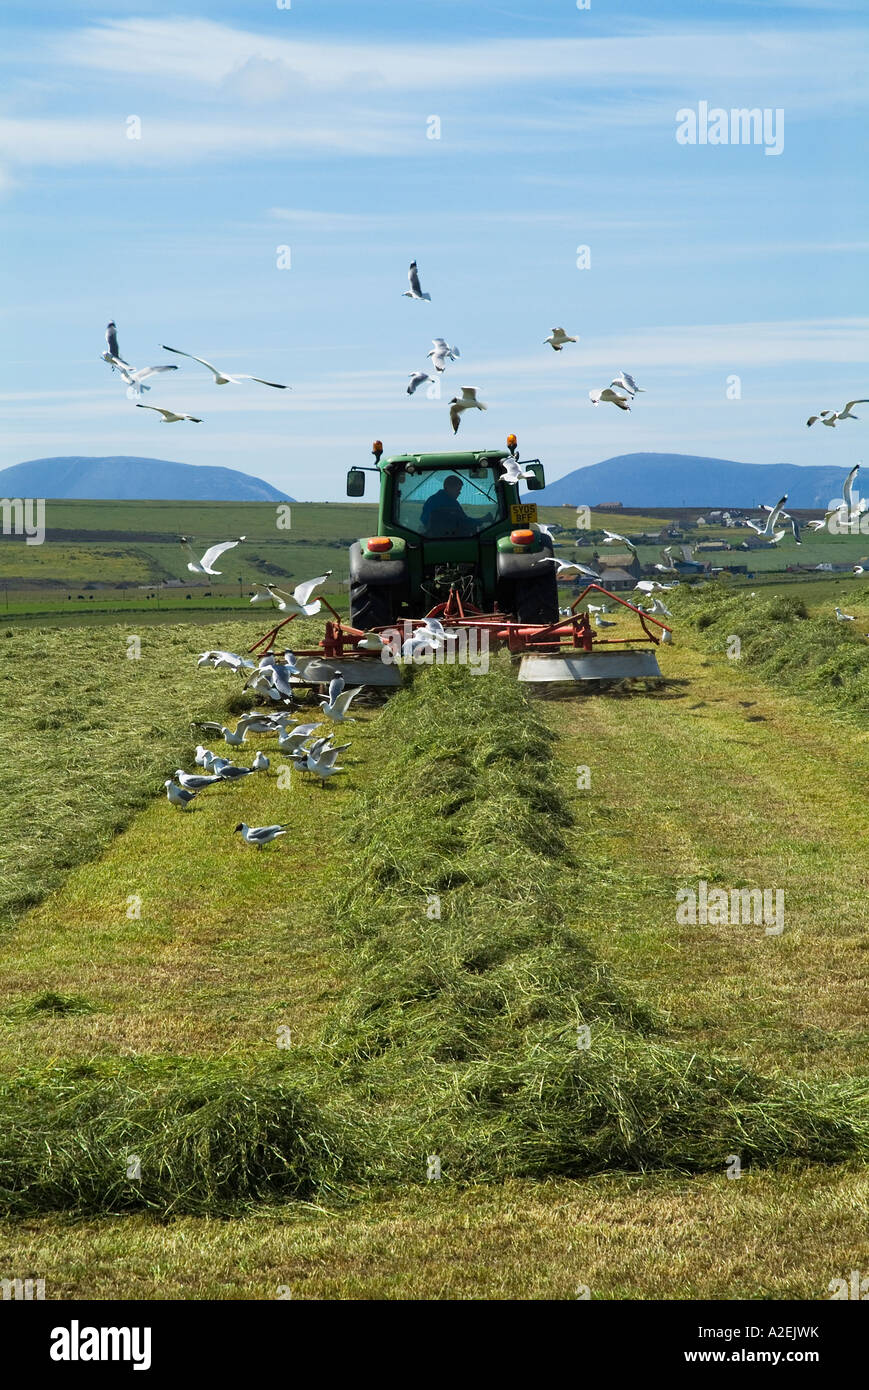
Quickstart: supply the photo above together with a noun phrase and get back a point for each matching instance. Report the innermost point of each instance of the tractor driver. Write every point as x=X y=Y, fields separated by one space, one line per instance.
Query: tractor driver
x=443 y=516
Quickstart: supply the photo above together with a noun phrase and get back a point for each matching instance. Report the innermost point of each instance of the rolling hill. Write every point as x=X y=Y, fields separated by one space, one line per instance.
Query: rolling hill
x=121 y=478
x=688 y=480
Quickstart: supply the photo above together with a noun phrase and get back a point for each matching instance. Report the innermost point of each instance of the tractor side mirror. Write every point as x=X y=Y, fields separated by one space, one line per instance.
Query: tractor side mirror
x=538 y=480
x=356 y=483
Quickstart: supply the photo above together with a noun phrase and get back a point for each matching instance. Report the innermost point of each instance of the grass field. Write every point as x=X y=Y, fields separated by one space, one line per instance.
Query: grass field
x=412 y=1036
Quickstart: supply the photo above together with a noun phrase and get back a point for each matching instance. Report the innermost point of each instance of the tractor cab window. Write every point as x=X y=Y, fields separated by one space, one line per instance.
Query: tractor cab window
x=443 y=504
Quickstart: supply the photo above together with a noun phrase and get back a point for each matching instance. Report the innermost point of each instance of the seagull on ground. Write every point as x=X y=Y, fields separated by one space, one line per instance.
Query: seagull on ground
x=298 y=603
x=177 y=795
x=321 y=767
x=625 y=382
x=214 y=552
x=260 y=763
x=193 y=783
x=201 y=754
x=415 y=291
x=557 y=338
x=224 y=378
x=659 y=608
x=459 y=404
x=830 y=417
x=602 y=622
x=336 y=709
x=599 y=608
x=610 y=397
x=844 y=617
x=416 y=379
x=336 y=685
x=260 y=835
x=170 y=417
x=442 y=353
x=232 y=773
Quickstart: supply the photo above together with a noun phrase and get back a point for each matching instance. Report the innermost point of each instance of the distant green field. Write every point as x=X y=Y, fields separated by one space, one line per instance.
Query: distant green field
x=113 y=558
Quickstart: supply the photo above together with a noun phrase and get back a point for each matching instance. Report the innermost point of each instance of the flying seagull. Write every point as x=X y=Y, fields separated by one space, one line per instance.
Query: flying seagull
x=565 y=565
x=415 y=291
x=336 y=709
x=626 y=382
x=513 y=471
x=610 y=537
x=228 y=661
x=260 y=835
x=442 y=353
x=772 y=516
x=299 y=601
x=557 y=338
x=416 y=379
x=224 y=378
x=204 y=566
x=112 y=342
x=169 y=416
x=135 y=377
x=609 y=396
x=830 y=417
x=177 y=795
x=459 y=404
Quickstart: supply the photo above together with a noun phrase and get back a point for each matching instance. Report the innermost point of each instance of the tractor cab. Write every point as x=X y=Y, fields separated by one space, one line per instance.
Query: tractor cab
x=451 y=521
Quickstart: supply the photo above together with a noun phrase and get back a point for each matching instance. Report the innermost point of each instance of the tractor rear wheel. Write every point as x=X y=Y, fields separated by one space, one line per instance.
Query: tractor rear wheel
x=370 y=606
x=536 y=599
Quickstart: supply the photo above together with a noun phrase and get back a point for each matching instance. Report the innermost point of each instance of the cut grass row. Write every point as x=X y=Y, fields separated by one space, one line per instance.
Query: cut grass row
x=455 y=1036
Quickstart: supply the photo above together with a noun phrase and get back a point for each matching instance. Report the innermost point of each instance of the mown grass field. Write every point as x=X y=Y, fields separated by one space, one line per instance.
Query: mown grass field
x=454 y=1036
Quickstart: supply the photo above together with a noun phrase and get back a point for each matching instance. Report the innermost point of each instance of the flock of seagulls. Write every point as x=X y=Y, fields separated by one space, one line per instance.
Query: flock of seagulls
x=310 y=756
x=135 y=378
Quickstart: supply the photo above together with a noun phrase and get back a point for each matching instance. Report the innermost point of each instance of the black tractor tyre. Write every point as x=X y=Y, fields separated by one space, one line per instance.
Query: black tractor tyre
x=536 y=599
x=371 y=606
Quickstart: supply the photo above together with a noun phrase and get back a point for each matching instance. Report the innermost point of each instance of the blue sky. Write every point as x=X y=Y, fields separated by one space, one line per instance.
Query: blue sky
x=307 y=127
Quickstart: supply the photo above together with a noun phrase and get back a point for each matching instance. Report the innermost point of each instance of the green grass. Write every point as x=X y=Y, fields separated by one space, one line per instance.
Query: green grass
x=458 y=1036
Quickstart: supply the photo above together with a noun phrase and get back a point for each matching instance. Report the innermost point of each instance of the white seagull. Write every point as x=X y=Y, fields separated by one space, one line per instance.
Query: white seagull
x=193 y=783
x=564 y=565
x=177 y=795
x=170 y=417
x=459 y=404
x=602 y=622
x=112 y=343
x=415 y=291
x=772 y=516
x=224 y=378
x=609 y=396
x=231 y=773
x=227 y=661
x=134 y=377
x=261 y=763
x=610 y=537
x=200 y=757
x=299 y=601
x=557 y=338
x=336 y=709
x=830 y=417
x=416 y=379
x=214 y=552
x=626 y=382
x=844 y=617
x=513 y=471
x=260 y=835
x=442 y=353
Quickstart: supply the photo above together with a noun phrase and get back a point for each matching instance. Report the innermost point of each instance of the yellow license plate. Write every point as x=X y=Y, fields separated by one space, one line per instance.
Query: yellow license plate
x=523 y=512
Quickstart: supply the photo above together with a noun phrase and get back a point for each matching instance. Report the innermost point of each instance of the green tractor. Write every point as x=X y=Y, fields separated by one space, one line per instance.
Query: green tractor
x=451 y=522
